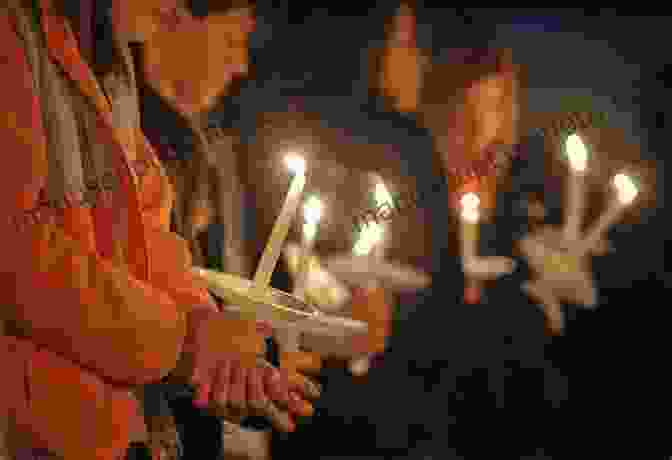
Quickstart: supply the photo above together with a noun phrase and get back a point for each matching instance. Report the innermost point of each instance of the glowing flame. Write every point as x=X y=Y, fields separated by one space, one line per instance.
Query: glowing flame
x=296 y=164
x=470 y=203
x=625 y=188
x=577 y=153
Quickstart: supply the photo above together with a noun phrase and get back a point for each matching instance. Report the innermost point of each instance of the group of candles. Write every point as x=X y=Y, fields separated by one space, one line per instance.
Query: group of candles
x=370 y=238
x=372 y=235
x=626 y=191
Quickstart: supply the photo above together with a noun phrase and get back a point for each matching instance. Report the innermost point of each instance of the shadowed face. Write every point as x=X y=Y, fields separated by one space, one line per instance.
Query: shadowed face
x=193 y=65
x=468 y=102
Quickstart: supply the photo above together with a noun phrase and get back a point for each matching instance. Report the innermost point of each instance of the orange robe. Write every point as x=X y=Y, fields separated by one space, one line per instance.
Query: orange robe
x=86 y=325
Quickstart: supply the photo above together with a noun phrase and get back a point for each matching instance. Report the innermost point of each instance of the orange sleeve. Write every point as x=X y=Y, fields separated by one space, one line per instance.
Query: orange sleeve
x=169 y=254
x=53 y=285
x=57 y=405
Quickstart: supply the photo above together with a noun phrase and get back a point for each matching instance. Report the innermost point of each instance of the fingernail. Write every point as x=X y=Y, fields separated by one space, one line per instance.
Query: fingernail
x=202 y=396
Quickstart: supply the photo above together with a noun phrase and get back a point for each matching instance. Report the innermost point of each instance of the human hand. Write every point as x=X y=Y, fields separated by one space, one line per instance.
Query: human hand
x=371 y=306
x=274 y=394
x=302 y=362
x=230 y=375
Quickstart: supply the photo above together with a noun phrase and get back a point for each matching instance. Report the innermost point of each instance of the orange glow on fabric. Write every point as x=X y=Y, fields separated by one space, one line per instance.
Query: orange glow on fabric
x=400 y=70
x=194 y=65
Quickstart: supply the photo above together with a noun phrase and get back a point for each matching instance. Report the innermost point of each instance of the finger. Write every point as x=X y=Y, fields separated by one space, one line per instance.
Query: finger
x=264 y=329
x=301 y=361
x=310 y=363
x=256 y=396
x=233 y=415
x=300 y=406
x=237 y=396
x=280 y=420
x=203 y=377
x=203 y=365
x=202 y=398
x=277 y=386
x=304 y=386
x=223 y=383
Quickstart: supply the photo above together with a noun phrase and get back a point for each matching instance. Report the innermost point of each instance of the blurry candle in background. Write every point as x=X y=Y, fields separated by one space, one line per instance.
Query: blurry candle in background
x=626 y=192
x=577 y=155
x=469 y=218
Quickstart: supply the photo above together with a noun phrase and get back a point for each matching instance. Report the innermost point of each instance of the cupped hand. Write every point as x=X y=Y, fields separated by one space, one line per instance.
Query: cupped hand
x=236 y=391
x=228 y=371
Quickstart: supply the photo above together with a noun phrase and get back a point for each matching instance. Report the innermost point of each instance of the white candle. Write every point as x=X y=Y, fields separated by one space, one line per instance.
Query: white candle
x=626 y=191
x=372 y=238
x=578 y=160
x=382 y=198
x=372 y=234
x=289 y=339
x=469 y=241
x=271 y=254
x=312 y=213
x=469 y=225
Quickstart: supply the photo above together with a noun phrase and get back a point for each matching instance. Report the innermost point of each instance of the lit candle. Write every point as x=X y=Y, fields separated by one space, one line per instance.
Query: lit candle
x=312 y=213
x=382 y=198
x=578 y=160
x=626 y=191
x=289 y=338
x=372 y=234
x=371 y=239
x=469 y=241
x=273 y=249
x=469 y=225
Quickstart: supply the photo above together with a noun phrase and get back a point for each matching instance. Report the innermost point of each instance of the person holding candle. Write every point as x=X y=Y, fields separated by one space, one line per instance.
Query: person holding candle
x=209 y=185
x=273 y=128
x=99 y=294
x=370 y=302
x=438 y=338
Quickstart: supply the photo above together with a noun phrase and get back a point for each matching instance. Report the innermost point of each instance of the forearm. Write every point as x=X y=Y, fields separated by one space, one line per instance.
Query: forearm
x=79 y=305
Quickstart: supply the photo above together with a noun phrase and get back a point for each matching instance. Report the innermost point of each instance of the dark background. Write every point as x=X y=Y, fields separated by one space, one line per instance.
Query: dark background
x=465 y=382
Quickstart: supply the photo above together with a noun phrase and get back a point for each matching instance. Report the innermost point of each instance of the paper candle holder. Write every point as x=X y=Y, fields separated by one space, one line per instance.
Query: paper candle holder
x=277 y=307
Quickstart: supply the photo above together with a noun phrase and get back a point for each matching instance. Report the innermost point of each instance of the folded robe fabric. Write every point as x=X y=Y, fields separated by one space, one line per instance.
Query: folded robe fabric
x=58 y=263
x=43 y=390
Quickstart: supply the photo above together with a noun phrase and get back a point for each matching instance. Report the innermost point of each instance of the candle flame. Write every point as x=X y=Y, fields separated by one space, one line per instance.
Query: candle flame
x=296 y=164
x=625 y=188
x=470 y=203
x=577 y=153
